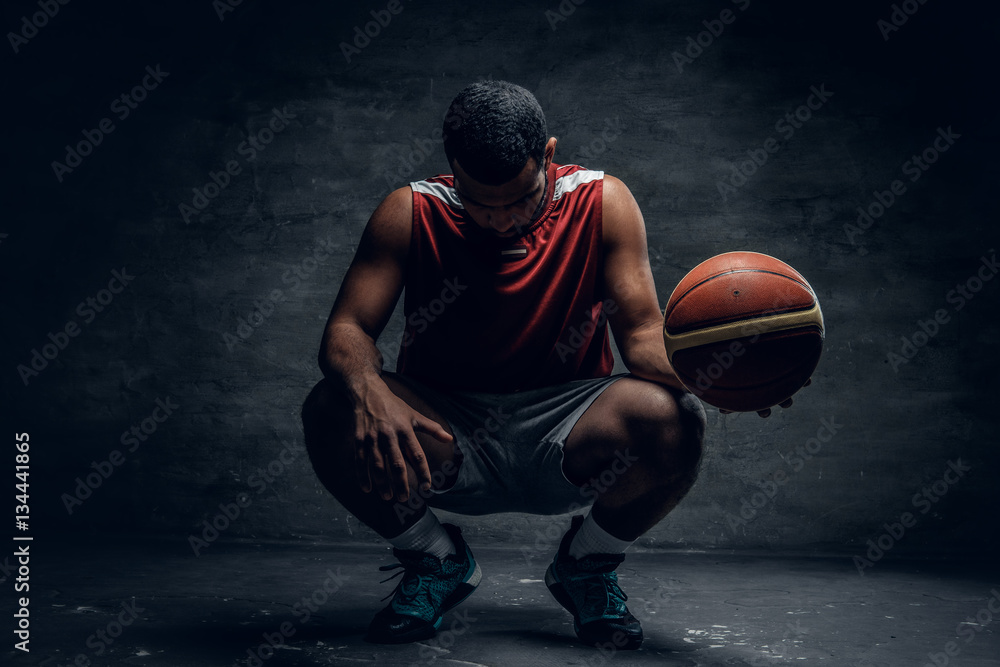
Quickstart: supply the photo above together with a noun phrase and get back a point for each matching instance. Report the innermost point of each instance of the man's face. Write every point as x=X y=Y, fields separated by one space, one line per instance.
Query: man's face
x=504 y=209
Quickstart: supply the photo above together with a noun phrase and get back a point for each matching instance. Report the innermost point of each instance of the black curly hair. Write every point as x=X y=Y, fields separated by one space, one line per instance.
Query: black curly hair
x=492 y=128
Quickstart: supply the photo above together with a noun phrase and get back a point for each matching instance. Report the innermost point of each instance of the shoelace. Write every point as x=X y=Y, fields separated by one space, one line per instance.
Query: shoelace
x=615 y=589
x=395 y=566
x=607 y=584
x=386 y=568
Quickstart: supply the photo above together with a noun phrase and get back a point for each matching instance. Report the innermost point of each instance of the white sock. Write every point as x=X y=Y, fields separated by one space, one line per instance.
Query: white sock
x=592 y=539
x=427 y=534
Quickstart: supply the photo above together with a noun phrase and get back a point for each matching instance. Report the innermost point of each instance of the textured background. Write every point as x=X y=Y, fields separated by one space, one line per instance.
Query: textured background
x=363 y=127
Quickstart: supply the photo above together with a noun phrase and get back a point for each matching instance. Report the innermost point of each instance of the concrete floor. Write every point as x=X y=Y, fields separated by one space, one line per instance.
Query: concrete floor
x=154 y=603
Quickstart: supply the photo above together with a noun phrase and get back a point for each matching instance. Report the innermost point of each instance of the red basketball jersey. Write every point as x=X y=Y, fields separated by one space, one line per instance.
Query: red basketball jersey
x=492 y=314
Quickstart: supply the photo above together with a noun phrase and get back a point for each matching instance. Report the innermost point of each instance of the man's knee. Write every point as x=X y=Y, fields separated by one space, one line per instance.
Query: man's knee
x=693 y=423
x=692 y=418
x=322 y=412
x=672 y=428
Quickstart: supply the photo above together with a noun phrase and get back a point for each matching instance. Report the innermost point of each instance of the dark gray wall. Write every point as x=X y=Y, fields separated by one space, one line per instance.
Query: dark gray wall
x=364 y=127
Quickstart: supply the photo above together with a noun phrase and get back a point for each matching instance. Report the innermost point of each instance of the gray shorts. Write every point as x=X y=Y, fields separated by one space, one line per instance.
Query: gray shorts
x=512 y=446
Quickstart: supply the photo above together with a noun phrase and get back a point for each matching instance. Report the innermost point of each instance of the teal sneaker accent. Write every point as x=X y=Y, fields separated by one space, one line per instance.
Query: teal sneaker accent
x=588 y=589
x=429 y=587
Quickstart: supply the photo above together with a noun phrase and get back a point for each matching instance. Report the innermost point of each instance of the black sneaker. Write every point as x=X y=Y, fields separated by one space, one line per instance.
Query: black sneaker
x=428 y=589
x=588 y=589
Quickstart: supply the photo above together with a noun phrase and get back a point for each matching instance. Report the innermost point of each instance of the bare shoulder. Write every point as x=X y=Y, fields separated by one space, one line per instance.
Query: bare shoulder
x=622 y=218
x=374 y=280
x=390 y=226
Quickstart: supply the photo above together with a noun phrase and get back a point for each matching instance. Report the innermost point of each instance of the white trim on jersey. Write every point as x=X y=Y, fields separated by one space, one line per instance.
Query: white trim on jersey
x=566 y=184
x=439 y=190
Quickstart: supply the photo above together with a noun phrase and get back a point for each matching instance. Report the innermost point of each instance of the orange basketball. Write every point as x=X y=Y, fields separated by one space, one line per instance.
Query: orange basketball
x=743 y=331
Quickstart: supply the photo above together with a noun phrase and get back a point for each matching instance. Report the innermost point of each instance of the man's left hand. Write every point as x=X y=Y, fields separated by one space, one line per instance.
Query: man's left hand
x=766 y=412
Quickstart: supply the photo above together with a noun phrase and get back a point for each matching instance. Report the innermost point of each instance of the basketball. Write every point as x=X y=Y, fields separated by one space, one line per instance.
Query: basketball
x=743 y=331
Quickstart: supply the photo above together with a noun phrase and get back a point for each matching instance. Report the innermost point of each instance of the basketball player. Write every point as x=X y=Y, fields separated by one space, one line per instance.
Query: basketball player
x=502 y=399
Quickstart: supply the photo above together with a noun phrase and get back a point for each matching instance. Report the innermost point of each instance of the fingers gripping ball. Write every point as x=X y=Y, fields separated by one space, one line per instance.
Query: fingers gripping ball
x=743 y=331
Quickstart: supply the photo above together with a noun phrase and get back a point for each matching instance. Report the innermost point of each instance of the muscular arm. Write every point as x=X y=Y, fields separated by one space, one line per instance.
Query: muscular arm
x=638 y=321
x=348 y=356
x=384 y=425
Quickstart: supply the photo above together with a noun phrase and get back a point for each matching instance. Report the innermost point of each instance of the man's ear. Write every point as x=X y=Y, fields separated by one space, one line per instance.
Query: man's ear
x=550 y=151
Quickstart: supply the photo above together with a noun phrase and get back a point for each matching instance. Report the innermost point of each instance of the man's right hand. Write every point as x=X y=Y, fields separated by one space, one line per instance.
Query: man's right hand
x=385 y=441
x=385 y=426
